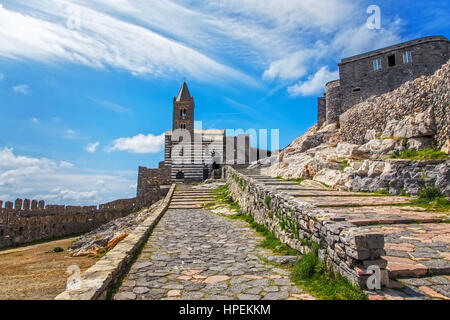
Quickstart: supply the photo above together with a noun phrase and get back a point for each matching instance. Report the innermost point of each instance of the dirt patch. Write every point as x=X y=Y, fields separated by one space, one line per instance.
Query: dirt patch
x=30 y=273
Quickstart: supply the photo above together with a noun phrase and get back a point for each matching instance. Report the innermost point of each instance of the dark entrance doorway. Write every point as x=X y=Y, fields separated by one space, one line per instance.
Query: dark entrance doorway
x=205 y=173
x=180 y=175
x=216 y=166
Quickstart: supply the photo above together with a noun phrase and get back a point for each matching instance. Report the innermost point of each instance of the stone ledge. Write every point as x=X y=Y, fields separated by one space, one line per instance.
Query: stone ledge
x=97 y=280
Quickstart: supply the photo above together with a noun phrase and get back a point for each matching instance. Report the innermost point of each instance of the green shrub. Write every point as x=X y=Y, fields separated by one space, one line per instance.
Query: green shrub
x=430 y=193
x=267 y=201
x=58 y=249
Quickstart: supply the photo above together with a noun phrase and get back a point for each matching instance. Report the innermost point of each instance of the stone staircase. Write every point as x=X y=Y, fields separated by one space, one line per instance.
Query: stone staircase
x=188 y=197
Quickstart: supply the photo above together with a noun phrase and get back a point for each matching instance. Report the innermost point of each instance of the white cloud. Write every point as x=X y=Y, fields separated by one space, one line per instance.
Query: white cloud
x=35 y=120
x=58 y=182
x=315 y=84
x=139 y=144
x=92 y=147
x=70 y=134
x=112 y=106
x=22 y=89
x=2 y=76
x=103 y=40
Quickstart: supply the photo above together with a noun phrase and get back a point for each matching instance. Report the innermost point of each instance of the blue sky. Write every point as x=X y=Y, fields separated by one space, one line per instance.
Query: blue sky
x=86 y=87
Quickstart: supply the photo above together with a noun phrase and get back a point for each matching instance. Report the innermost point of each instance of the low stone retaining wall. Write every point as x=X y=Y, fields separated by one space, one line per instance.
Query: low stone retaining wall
x=296 y=223
x=96 y=282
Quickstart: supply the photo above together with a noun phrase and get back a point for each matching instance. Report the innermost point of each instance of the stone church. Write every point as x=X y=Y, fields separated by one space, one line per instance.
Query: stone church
x=191 y=155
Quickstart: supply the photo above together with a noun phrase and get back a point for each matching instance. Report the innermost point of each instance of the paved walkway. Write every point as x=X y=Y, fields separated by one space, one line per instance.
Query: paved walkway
x=194 y=254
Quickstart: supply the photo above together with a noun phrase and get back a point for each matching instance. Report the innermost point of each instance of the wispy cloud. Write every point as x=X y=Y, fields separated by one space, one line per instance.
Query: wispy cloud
x=92 y=147
x=140 y=144
x=2 y=76
x=112 y=106
x=103 y=40
x=22 y=89
x=35 y=120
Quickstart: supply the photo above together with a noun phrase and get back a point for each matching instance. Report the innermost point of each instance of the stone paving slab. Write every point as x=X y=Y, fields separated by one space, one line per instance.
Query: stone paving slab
x=415 y=250
x=197 y=255
x=325 y=193
x=356 y=201
x=427 y=288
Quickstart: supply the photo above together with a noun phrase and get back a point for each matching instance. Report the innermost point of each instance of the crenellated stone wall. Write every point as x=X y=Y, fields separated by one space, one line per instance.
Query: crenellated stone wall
x=296 y=223
x=26 y=221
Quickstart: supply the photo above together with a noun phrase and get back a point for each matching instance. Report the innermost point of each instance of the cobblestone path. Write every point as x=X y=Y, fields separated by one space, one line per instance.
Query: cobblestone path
x=194 y=254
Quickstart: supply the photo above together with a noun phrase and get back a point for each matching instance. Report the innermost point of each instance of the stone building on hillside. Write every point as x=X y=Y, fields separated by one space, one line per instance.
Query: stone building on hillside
x=377 y=72
x=191 y=155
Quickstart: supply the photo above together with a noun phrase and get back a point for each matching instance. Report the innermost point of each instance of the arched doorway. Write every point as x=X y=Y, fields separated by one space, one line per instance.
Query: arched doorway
x=215 y=166
x=180 y=175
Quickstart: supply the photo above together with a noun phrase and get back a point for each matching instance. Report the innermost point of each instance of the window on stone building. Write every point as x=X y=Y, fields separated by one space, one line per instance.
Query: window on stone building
x=376 y=64
x=183 y=113
x=356 y=89
x=391 y=60
x=407 y=57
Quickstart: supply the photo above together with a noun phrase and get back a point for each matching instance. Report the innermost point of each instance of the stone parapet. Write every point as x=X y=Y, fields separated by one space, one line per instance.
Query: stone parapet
x=97 y=282
x=20 y=224
x=296 y=223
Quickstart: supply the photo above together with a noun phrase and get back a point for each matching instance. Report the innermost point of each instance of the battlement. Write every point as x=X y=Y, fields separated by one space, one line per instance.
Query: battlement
x=24 y=221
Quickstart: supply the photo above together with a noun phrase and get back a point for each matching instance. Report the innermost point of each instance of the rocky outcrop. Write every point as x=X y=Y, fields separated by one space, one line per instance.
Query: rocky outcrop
x=356 y=155
x=108 y=235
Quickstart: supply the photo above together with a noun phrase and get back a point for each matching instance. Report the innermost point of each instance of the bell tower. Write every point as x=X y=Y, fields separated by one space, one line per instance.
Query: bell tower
x=183 y=111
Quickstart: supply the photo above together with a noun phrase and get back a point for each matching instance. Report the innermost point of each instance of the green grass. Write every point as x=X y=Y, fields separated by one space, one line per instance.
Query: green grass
x=295 y=180
x=270 y=241
x=317 y=279
x=309 y=273
x=223 y=195
x=383 y=192
x=425 y=154
x=432 y=199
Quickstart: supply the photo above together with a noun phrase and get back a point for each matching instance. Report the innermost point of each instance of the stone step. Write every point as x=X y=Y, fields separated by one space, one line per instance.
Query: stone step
x=388 y=215
x=324 y=202
x=328 y=193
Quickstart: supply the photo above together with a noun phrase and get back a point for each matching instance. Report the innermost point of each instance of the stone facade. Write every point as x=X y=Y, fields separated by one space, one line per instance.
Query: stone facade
x=153 y=184
x=20 y=223
x=418 y=109
x=381 y=71
x=295 y=222
x=192 y=155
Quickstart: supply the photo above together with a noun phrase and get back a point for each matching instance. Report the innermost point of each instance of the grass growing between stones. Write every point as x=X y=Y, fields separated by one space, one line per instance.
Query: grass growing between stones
x=270 y=241
x=309 y=273
x=432 y=199
x=296 y=180
x=315 y=276
x=425 y=154
x=223 y=195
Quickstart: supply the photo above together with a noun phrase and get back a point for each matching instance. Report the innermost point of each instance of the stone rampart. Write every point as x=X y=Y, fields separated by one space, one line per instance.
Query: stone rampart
x=296 y=223
x=26 y=221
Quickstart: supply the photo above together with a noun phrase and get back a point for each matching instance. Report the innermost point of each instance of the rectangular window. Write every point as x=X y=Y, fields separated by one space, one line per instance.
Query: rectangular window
x=376 y=64
x=407 y=57
x=391 y=60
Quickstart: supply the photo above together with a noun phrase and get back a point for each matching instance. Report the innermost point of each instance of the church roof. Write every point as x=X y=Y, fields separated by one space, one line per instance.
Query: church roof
x=184 y=94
